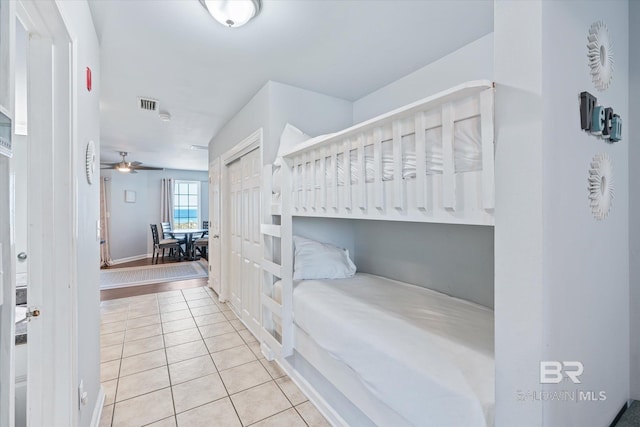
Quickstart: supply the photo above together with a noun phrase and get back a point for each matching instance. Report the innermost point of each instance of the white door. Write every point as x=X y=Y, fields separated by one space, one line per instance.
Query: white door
x=214 y=226
x=235 y=231
x=251 y=247
x=50 y=336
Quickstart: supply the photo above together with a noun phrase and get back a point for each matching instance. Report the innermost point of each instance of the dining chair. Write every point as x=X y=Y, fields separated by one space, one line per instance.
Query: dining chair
x=167 y=234
x=201 y=245
x=162 y=245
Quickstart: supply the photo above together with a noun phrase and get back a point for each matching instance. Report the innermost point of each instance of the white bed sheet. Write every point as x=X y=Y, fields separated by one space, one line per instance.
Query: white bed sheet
x=427 y=355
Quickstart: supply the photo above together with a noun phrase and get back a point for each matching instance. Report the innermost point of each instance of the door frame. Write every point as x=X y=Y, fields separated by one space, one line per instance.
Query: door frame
x=214 y=216
x=250 y=143
x=52 y=235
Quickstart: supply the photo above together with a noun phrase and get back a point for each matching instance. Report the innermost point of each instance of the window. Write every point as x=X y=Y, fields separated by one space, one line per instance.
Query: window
x=186 y=204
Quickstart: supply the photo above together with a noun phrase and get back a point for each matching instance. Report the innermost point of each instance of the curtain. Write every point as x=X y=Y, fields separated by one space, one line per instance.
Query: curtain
x=105 y=251
x=166 y=201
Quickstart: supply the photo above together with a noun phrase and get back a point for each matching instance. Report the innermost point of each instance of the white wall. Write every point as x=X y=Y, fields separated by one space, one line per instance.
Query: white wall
x=338 y=232
x=271 y=108
x=77 y=17
x=454 y=259
x=128 y=226
x=518 y=213
x=253 y=116
x=561 y=276
x=311 y=112
x=634 y=194
x=130 y=234
x=580 y=282
x=471 y=62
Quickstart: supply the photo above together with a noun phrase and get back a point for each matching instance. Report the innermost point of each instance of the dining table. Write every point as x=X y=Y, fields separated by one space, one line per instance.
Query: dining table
x=188 y=234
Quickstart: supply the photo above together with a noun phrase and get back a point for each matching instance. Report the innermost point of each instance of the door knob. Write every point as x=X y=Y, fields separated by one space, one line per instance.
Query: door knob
x=216 y=236
x=22 y=256
x=32 y=312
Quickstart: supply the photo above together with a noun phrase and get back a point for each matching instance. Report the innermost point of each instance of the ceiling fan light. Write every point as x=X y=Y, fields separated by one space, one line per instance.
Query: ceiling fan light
x=123 y=167
x=232 y=13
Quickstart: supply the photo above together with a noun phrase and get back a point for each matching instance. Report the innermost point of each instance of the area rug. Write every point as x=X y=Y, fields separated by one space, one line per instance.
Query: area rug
x=132 y=276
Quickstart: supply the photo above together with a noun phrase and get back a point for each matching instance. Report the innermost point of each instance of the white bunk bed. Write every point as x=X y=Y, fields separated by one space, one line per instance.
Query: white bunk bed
x=431 y=161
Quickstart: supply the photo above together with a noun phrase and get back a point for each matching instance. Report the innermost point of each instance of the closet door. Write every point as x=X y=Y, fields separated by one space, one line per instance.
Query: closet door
x=251 y=248
x=235 y=227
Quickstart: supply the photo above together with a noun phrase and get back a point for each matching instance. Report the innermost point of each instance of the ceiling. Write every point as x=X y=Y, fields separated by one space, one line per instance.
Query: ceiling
x=202 y=73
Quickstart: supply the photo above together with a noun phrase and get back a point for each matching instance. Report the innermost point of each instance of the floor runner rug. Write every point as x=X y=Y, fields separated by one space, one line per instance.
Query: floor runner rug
x=131 y=276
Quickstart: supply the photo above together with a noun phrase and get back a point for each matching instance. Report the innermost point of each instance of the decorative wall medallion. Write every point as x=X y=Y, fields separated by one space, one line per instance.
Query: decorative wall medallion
x=601 y=186
x=90 y=162
x=600 y=55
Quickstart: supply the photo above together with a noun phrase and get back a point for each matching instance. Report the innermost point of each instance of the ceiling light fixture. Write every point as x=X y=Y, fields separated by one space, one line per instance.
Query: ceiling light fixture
x=123 y=167
x=199 y=147
x=232 y=13
x=165 y=117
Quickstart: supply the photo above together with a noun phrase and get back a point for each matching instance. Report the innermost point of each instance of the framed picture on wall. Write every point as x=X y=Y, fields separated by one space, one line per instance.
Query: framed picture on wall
x=129 y=196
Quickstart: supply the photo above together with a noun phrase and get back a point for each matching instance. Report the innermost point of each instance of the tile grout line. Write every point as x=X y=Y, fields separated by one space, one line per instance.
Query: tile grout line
x=218 y=372
x=226 y=390
x=164 y=347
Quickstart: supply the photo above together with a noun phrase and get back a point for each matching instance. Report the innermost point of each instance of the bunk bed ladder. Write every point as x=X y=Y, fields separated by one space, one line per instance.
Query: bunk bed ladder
x=276 y=231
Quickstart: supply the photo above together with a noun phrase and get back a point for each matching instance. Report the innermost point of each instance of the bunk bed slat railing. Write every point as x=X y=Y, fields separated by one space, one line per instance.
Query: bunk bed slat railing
x=294 y=181
x=323 y=180
x=271 y=342
x=334 y=176
x=448 y=165
x=272 y=305
x=362 y=178
x=377 y=168
x=314 y=180
x=346 y=162
x=272 y=267
x=305 y=181
x=398 y=187
x=286 y=270
x=270 y=230
x=488 y=161
x=421 y=159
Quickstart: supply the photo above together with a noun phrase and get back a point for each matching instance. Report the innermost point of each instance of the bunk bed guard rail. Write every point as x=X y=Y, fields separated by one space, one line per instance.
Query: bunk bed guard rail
x=362 y=173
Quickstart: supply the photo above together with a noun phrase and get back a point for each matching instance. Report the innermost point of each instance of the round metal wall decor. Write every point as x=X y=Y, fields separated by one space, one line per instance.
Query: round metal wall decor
x=601 y=186
x=90 y=162
x=600 y=55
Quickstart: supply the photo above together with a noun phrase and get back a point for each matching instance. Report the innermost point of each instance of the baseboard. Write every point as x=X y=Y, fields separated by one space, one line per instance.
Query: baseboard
x=97 y=410
x=131 y=258
x=325 y=409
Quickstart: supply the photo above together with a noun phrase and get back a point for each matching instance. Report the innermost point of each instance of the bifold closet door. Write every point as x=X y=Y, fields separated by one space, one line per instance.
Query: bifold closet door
x=235 y=227
x=251 y=248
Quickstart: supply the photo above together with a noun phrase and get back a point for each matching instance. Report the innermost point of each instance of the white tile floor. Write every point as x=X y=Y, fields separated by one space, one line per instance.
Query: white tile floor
x=181 y=358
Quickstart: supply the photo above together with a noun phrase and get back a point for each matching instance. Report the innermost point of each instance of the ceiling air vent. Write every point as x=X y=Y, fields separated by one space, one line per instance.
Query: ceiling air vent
x=147 y=104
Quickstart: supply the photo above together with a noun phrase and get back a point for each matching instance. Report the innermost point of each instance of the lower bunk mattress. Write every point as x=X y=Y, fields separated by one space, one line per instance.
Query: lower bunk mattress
x=426 y=355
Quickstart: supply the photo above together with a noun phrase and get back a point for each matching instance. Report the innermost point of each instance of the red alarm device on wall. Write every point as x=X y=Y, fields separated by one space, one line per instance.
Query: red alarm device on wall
x=89 y=79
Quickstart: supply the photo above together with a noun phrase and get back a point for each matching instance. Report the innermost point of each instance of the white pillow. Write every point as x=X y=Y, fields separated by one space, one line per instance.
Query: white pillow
x=290 y=137
x=315 y=260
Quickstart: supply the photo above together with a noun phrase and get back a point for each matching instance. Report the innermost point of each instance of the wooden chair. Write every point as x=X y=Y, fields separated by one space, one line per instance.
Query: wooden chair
x=201 y=245
x=162 y=245
x=167 y=234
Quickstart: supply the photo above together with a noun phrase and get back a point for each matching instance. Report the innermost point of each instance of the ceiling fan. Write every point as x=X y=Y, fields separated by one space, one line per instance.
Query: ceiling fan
x=127 y=167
